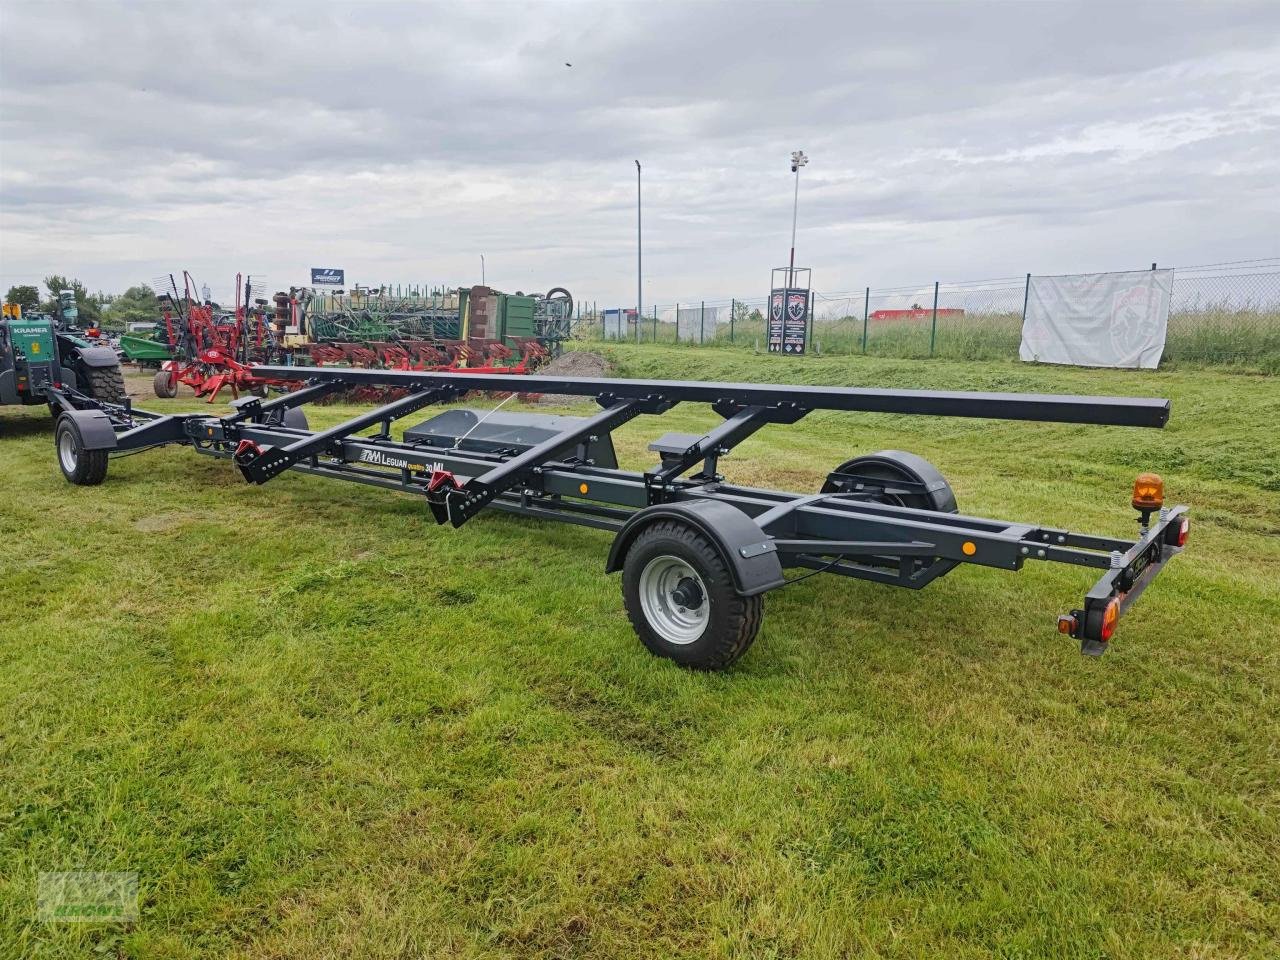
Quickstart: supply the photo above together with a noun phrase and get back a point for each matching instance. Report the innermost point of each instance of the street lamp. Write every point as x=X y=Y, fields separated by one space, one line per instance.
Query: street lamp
x=639 y=262
x=798 y=160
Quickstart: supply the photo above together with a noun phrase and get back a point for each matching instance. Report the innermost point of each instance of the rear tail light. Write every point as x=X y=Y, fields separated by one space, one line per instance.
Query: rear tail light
x=1184 y=529
x=1109 y=618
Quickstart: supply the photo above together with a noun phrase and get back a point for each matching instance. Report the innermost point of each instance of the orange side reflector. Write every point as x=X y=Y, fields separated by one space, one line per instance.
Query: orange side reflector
x=1148 y=492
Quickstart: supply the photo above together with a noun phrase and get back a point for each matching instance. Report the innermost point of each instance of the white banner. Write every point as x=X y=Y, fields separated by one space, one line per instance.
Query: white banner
x=1098 y=319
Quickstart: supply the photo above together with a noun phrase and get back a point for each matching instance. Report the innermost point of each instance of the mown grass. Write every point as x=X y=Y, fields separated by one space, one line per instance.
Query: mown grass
x=1248 y=340
x=317 y=725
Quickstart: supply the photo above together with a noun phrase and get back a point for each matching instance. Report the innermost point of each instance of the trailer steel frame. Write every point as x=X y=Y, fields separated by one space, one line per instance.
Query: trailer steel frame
x=887 y=517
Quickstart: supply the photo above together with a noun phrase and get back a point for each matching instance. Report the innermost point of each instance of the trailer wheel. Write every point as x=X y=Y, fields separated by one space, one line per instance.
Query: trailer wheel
x=165 y=384
x=680 y=598
x=84 y=468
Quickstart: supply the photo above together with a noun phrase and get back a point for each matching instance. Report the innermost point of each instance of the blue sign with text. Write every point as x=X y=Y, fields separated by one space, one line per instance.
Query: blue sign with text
x=327 y=276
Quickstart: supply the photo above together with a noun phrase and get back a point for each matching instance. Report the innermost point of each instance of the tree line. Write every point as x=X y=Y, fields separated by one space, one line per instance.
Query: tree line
x=105 y=310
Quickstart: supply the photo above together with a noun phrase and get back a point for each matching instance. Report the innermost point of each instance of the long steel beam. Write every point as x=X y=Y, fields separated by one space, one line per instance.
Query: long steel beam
x=1057 y=408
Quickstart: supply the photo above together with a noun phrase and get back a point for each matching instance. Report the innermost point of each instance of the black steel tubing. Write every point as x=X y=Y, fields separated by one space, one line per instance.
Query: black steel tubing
x=1058 y=408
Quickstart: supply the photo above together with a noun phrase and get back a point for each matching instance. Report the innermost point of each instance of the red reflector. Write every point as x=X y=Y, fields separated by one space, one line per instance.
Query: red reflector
x=1184 y=529
x=1109 y=618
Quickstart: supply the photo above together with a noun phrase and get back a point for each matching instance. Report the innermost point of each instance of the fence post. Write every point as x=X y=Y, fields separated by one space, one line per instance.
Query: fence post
x=1026 y=296
x=732 y=310
x=933 y=332
x=677 y=321
x=702 y=323
x=866 y=311
x=655 y=323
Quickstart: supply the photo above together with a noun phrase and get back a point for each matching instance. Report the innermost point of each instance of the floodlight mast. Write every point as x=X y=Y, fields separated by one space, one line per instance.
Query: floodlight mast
x=798 y=160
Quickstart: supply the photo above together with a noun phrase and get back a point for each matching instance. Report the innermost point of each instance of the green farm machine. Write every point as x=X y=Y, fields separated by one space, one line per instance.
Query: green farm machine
x=40 y=352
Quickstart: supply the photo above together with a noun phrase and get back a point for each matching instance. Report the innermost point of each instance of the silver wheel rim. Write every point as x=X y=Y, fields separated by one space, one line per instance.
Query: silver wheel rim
x=674 y=621
x=67 y=451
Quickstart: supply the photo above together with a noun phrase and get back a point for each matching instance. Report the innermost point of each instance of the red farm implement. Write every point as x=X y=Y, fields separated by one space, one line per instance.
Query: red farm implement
x=214 y=350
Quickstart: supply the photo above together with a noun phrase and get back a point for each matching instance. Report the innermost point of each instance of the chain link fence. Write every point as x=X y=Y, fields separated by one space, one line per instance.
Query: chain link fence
x=1223 y=313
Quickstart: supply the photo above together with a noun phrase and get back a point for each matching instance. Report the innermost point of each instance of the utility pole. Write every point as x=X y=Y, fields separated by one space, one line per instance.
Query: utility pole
x=639 y=261
x=798 y=160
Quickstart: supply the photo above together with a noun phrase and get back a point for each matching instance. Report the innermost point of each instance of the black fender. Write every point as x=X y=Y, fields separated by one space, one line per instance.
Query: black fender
x=95 y=357
x=295 y=418
x=936 y=493
x=96 y=432
x=750 y=555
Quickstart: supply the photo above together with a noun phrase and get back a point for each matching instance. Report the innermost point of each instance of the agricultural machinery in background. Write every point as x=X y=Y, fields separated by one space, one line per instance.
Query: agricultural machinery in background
x=211 y=349
x=477 y=330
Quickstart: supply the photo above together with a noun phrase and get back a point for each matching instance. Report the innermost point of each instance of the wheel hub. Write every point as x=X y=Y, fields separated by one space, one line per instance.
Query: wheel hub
x=674 y=599
x=688 y=593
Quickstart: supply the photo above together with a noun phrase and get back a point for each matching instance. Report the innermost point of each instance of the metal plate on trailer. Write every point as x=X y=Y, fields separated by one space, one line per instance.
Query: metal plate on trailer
x=491 y=431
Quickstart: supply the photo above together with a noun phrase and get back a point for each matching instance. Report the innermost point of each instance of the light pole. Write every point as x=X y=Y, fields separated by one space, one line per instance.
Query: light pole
x=482 y=269
x=798 y=160
x=639 y=261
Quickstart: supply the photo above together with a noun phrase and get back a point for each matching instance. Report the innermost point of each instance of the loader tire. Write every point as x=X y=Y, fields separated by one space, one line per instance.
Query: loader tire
x=105 y=384
x=681 y=600
x=84 y=468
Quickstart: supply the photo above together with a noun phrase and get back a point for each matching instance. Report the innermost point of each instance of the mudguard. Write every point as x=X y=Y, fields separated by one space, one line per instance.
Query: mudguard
x=750 y=555
x=96 y=357
x=96 y=432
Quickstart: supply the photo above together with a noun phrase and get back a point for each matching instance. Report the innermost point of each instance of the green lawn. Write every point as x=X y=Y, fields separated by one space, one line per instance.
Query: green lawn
x=317 y=725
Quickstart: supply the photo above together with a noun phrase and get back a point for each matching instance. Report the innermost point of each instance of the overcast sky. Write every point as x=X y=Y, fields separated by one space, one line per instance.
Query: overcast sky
x=402 y=141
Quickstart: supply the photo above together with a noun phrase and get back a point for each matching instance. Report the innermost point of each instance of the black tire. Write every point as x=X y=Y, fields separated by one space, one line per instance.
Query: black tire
x=729 y=623
x=105 y=384
x=165 y=384
x=565 y=295
x=84 y=468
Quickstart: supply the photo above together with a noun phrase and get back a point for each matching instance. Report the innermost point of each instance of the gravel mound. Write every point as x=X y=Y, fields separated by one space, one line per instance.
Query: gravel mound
x=572 y=363
x=577 y=363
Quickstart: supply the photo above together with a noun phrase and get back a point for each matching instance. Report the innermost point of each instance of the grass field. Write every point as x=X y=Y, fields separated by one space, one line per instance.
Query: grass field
x=1246 y=340
x=317 y=725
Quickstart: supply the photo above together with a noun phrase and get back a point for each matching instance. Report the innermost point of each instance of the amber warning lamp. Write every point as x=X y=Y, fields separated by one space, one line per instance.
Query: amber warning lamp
x=1148 y=492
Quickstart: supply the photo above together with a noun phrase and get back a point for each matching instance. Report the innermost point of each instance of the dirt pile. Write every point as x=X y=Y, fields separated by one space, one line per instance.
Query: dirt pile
x=577 y=363
x=572 y=363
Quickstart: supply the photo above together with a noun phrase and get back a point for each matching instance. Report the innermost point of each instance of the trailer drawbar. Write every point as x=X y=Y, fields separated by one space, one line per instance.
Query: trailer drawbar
x=697 y=553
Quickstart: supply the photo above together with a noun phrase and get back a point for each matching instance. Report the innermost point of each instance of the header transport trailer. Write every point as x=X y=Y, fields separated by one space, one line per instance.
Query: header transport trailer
x=697 y=552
